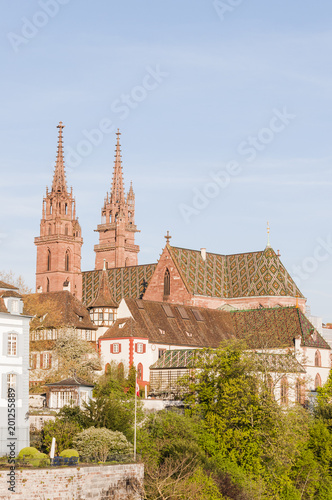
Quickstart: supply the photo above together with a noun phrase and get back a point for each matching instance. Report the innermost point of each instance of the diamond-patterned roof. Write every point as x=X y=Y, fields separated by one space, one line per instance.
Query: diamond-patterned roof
x=238 y=275
x=124 y=282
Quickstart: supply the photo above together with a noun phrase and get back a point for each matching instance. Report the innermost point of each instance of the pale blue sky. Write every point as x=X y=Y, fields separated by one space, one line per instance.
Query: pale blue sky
x=221 y=81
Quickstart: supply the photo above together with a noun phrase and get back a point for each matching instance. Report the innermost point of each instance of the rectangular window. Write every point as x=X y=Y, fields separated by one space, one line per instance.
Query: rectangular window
x=197 y=315
x=140 y=348
x=101 y=316
x=116 y=348
x=15 y=306
x=11 y=381
x=12 y=345
x=161 y=352
x=46 y=360
x=168 y=311
x=183 y=313
x=33 y=361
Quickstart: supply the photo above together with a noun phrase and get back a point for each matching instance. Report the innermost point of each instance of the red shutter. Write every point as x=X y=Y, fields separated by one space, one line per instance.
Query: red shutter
x=144 y=348
x=111 y=348
x=42 y=360
x=50 y=361
x=119 y=348
x=136 y=348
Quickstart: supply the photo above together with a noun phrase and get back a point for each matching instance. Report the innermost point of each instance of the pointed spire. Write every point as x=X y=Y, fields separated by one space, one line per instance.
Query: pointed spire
x=59 y=179
x=268 y=234
x=117 y=191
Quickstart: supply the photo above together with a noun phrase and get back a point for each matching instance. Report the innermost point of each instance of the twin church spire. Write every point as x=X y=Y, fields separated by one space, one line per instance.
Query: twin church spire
x=60 y=241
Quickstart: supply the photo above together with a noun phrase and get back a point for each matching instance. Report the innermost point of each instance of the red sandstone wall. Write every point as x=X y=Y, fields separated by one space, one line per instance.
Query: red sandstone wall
x=155 y=290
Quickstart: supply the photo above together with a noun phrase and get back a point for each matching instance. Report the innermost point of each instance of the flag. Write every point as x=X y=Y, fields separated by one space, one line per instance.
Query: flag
x=137 y=388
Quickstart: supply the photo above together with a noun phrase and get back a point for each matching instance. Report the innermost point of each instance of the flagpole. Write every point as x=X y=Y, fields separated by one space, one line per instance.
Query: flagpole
x=135 y=419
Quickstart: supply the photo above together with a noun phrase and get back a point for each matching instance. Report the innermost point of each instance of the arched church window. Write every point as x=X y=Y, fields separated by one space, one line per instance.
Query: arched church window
x=66 y=230
x=67 y=260
x=51 y=208
x=49 y=229
x=318 y=359
x=167 y=282
x=47 y=285
x=66 y=208
x=318 y=381
x=48 y=259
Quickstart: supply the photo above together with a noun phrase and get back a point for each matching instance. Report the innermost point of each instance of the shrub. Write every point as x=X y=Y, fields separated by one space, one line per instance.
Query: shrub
x=97 y=444
x=69 y=453
x=34 y=457
x=28 y=452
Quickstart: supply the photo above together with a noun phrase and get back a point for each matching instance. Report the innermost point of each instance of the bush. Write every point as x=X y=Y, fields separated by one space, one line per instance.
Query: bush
x=69 y=453
x=34 y=457
x=28 y=452
x=97 y=444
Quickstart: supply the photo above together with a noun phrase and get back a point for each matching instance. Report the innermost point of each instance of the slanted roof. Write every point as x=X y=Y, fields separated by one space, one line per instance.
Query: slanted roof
x=124 y=282
x=150 y=320
x=6 y=286
x=276 y=327
x=239 y=275
x=57 y=310
x=71 y=381
x=10 y=293
x=3 y=308
x=188 y=326
x=104 y=298
x=187 y=358
x=177 y=359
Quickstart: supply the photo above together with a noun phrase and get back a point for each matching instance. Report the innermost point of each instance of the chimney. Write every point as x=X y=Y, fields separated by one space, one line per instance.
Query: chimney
x=203 y=253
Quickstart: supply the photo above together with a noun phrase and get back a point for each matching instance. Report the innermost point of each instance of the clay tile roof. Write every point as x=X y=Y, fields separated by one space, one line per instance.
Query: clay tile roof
x=173 y=324
x=7 y=286
x=104 y=298
x=276 y=327
x=238 y=275
x=195 y=327
x=71 y=381
x=10 y=293
x=56 y=310
x=3 y=308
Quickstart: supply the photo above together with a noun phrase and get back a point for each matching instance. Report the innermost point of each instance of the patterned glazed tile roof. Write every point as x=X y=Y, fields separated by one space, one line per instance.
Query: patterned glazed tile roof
x=124 y=282
x=57 y=310
x=276 y=327
x=238 y=275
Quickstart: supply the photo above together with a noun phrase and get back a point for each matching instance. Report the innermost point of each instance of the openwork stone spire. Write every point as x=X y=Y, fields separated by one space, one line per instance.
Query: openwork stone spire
x=117 y=192
x=59 y=179
x=117 y=229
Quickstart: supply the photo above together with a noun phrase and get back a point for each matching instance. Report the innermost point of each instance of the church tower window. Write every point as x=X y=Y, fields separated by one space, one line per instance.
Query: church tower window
x=67 y=261
x=48 y=259
x=167 y=282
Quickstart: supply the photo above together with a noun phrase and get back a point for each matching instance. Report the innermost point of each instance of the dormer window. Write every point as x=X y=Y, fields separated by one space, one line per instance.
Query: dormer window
x=15 y=306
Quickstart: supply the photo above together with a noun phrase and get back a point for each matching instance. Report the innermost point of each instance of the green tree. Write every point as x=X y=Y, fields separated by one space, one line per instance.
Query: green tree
x=64 y=433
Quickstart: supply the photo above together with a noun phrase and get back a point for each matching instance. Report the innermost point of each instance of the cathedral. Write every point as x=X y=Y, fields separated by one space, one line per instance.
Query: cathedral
x=119 y=288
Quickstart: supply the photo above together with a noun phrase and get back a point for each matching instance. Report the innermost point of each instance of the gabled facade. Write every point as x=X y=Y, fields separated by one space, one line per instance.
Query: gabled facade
x=60 y=240
x=14 y=370
x=117 y=229
x=200 y=278
x=53 y=313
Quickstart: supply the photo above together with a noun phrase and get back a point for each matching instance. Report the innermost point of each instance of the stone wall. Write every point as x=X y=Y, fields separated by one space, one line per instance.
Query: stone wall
x=102 y=482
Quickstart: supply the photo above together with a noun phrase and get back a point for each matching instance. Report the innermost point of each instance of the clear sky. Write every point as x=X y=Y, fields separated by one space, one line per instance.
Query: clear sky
x=224 y=109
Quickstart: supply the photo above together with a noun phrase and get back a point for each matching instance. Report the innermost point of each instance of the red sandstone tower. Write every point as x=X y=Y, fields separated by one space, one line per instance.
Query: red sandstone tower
x=59 y=244
x=117 y=229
